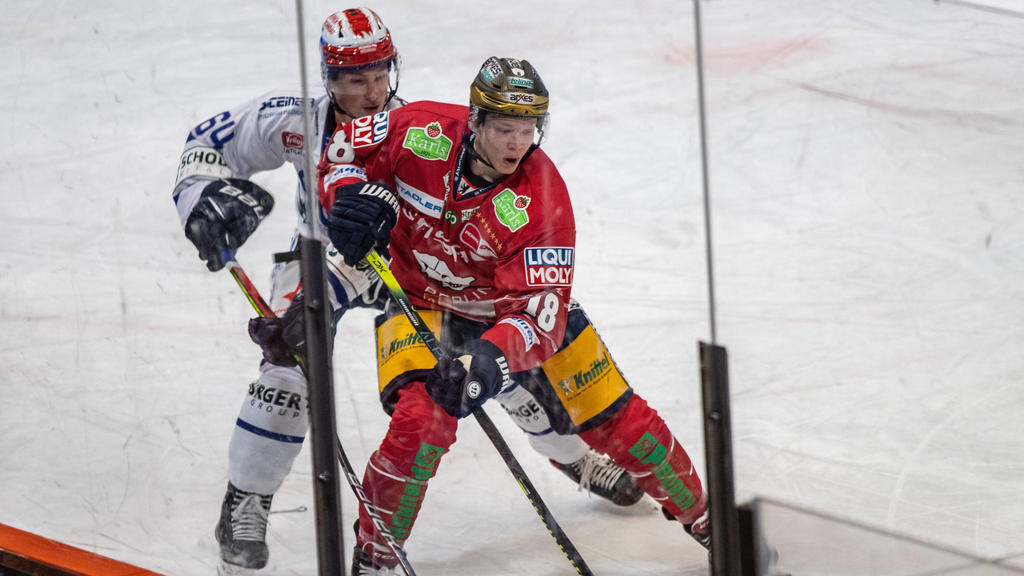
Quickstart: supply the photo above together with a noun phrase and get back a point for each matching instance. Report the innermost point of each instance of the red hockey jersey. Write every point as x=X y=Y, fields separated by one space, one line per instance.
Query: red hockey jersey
x=502 y=253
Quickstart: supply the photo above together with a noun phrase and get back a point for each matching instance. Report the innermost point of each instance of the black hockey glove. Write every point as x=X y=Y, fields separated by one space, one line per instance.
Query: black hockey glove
x=227 y=213
x=362 y=216
x=463 y=384
x=281 y=338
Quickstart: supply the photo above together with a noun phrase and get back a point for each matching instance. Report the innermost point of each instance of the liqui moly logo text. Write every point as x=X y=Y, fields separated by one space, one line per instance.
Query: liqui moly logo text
x=549 y=266
x=369 y=130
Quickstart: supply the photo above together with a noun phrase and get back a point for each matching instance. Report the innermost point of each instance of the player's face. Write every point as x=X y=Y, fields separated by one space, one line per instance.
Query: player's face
x=361 y=92
x=503 y=141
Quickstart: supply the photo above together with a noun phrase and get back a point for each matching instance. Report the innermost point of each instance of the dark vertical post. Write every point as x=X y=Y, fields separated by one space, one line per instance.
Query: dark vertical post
x=323 y=429
x=725 y=545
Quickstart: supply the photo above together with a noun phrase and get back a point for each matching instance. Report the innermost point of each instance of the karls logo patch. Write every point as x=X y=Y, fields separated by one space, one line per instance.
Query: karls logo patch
x=511 y=209
x=549 y=266
x=291 y=140
x=428 y=142
x=369 y=130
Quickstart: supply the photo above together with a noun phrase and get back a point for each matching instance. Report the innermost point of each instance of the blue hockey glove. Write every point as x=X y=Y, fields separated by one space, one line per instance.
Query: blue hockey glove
x=362 y=217
x=228 y=212
x=461 y=385
x=281 y=338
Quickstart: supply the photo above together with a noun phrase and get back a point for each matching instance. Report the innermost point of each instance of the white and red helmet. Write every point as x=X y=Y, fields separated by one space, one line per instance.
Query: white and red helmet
x=354 y=39
x=357 y=39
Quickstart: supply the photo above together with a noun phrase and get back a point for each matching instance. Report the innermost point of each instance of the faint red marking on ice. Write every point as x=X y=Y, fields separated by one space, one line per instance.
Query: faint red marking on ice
x=876 y=104
x=748 y=57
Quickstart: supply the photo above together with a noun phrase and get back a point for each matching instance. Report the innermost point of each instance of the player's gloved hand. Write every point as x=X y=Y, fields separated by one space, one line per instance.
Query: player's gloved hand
x=228 y=212
x=362 y=217
x=283 y=337
x=463 y=384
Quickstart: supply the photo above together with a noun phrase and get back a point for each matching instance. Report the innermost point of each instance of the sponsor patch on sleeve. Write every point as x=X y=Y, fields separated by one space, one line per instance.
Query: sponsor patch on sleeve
x=369 y=130
x=202 y=161
x=291 y=140
x=525 y=330
x=419 y=199
x=549 y=266
x=344 y=171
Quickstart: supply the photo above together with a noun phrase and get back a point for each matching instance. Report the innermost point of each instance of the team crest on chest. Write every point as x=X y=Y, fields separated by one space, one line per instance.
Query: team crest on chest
x=428 y=142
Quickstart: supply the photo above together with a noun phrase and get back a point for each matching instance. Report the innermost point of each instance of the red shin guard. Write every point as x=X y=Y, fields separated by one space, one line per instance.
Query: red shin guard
x=640 y=441
x=396 y=476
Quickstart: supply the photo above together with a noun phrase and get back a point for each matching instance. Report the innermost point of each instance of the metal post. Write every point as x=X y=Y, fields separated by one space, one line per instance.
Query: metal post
x=322 y=425
x=319 y=345
x=725 y=544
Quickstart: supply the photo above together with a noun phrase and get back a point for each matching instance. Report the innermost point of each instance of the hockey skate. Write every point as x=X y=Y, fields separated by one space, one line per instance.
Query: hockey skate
x=600 y=475
x=700 y=529
x=242 y=528
x=363 y=564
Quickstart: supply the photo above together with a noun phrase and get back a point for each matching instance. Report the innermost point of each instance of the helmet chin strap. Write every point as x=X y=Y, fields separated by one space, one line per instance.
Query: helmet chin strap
x=468 y=142
x=336 y=108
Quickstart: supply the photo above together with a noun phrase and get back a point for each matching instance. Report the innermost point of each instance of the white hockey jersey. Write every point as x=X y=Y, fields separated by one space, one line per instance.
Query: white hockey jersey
x=258 y=136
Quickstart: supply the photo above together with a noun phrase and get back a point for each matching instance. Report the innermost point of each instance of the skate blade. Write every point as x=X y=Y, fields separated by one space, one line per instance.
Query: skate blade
x=225 y=569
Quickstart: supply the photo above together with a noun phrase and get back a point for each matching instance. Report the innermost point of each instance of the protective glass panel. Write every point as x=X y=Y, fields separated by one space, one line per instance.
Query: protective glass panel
x=810 y=544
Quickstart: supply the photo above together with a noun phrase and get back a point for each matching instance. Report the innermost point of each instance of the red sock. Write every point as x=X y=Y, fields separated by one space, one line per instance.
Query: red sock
x=396 y=476
x=640 y=441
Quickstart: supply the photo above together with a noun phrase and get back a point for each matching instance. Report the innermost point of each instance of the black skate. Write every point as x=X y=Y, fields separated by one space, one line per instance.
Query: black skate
x=602 y=476
x=242 y=528
x=700 y=529
x=363 y=564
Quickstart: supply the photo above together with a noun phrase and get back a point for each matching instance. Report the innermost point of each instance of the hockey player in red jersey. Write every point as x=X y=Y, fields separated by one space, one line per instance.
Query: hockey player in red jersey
x=481 y=234
x=219 y=207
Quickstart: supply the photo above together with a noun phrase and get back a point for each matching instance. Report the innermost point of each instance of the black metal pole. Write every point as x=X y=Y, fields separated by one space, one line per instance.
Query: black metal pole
x=322 y=425
x=725 y=540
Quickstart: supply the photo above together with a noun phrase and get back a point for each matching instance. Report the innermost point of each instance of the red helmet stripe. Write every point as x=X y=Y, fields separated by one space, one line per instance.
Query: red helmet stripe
x=359 y=22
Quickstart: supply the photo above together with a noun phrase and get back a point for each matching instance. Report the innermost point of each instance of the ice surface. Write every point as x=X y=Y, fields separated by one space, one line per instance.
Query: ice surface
x=867 y=169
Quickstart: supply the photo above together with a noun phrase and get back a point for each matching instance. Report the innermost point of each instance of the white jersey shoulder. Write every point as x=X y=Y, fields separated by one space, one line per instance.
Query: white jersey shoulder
x=257 y=136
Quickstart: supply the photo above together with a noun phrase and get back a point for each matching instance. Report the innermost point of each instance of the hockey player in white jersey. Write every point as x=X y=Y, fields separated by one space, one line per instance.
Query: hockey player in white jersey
x=220 y=208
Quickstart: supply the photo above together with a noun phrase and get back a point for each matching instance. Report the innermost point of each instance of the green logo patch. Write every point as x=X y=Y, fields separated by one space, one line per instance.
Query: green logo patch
x=523 y=82
x=652 y=454
x=511 y=209
x=428 y=142
x=412 y=493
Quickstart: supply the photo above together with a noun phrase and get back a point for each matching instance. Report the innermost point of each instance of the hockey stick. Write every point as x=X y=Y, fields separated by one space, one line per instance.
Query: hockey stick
x=265 y=311
x=384 y=272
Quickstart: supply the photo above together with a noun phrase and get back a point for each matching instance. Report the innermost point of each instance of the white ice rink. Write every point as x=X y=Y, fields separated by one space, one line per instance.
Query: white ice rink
x=867 y=171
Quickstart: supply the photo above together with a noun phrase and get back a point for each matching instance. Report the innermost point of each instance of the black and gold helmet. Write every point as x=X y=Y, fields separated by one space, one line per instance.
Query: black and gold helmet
x=510 y=87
